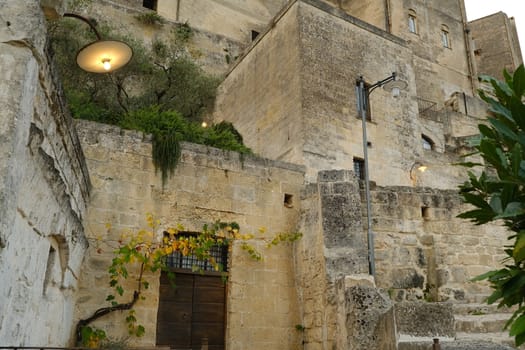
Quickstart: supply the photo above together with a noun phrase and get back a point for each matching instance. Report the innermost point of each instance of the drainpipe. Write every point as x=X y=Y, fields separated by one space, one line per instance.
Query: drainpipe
x=388 y=22
x=466 y=37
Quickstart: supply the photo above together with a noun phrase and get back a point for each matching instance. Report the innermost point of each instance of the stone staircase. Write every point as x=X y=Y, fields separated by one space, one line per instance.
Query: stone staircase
x=474 y=327
x=482 y=322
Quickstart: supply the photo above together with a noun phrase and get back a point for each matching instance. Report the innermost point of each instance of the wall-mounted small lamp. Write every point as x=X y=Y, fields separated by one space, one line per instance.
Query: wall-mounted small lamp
x=395 y=86
x=417 y=166
x=102 y=56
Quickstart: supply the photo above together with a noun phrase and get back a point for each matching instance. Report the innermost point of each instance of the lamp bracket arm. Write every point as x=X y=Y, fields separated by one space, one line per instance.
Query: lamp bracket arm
x=74 y=15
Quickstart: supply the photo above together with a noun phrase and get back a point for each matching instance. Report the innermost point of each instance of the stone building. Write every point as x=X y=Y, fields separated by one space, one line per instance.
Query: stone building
x=291 y=92
x=495 y=44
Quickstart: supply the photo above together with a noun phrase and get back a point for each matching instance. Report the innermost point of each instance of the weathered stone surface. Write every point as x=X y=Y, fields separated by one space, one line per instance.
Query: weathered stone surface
x=208 y=185
x=44 y=188
x=424 y=319
x=369 y=319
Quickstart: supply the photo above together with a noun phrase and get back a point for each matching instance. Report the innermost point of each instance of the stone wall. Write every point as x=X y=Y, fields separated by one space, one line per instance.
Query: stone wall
x=440 y=71
x=302 y=72
x=208 y=185
x=495 y=44
x=423 y=252
x=373 y=12
x=335 y=50
x=212 y=50
x=262 y=94
x=43 y=188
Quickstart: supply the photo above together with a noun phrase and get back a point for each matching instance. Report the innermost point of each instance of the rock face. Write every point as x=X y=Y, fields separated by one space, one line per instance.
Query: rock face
x=43 y=188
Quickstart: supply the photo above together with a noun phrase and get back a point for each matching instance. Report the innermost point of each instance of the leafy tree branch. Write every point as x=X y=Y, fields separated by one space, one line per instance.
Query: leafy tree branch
x=497 y=194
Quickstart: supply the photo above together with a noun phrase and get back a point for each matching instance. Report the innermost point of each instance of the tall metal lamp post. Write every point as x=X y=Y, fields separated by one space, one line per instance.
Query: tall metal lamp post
x=363 y=91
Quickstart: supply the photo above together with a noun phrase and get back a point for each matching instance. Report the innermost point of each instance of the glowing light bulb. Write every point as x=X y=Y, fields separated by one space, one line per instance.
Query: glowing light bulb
x=422 y=168
x=204 y=124
x=106 y=63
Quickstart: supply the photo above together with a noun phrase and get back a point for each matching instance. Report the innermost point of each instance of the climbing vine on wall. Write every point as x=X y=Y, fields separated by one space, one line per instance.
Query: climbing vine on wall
x=141 y=254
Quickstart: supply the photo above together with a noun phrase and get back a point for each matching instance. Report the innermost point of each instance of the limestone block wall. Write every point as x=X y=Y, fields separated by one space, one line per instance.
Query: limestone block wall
x=208 y=184
x=373 y=12
x=44 y=188
x=261 y=95
x=302 y=73
x=423 y=252
x=333 y=246
x=336 y=49
x=440 y=71
x=496 y=45
x=209 y=48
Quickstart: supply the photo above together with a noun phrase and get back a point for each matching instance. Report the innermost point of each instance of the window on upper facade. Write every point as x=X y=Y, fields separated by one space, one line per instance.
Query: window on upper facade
x=428 y=144
x=412 y=21
x=445 y=39
x=359 y=168
x=150 y=4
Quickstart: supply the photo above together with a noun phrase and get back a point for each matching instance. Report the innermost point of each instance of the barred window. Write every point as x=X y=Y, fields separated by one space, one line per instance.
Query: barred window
x=359 y=168
x=190 y=262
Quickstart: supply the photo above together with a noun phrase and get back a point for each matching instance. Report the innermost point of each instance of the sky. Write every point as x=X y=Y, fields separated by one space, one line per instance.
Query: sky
x=513 y=8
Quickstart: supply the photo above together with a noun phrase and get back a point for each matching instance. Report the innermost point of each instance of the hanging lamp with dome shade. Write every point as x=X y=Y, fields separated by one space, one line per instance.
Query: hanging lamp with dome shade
x=102 y=56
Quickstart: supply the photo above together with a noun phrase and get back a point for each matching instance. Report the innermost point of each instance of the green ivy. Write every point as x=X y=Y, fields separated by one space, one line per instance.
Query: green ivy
x=169 y=128
x=150 y=18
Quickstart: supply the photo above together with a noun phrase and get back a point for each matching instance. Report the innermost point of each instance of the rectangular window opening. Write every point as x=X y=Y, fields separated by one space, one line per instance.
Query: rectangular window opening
x=445 y=39
x=425 y=213
x=412 y=24
x=359 y=168
x=150 y=4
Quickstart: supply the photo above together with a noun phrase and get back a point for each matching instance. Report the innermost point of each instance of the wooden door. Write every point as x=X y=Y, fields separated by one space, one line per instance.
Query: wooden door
x=191 y=312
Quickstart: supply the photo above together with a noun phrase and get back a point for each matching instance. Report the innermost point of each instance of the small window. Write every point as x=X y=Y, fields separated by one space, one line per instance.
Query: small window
x=412 y=21
x=445 y=40
x=255 y=34
x=428 y=144
x=425 y=213
x=190 y=262
x=150 y=4
x=288 y=200
x=359 y=168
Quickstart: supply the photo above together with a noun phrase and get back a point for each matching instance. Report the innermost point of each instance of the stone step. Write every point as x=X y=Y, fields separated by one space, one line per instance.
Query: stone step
x=489 y=323
x=452 y=344
x=495 y=337
x=479 y=309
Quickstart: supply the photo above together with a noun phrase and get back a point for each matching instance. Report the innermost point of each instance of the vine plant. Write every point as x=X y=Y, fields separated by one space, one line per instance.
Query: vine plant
x=141 y=254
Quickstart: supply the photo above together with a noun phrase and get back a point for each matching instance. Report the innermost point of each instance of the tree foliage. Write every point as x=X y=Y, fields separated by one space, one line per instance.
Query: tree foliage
x=161 y=91
x=498 y=192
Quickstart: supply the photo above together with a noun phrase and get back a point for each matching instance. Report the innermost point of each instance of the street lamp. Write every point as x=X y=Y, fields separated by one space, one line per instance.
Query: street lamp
x=419 y=167
x=363 y=91
x=102 y=56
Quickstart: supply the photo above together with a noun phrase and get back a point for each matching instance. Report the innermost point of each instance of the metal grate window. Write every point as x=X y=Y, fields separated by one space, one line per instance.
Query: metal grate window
x=359 y=168
x=190 y=262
